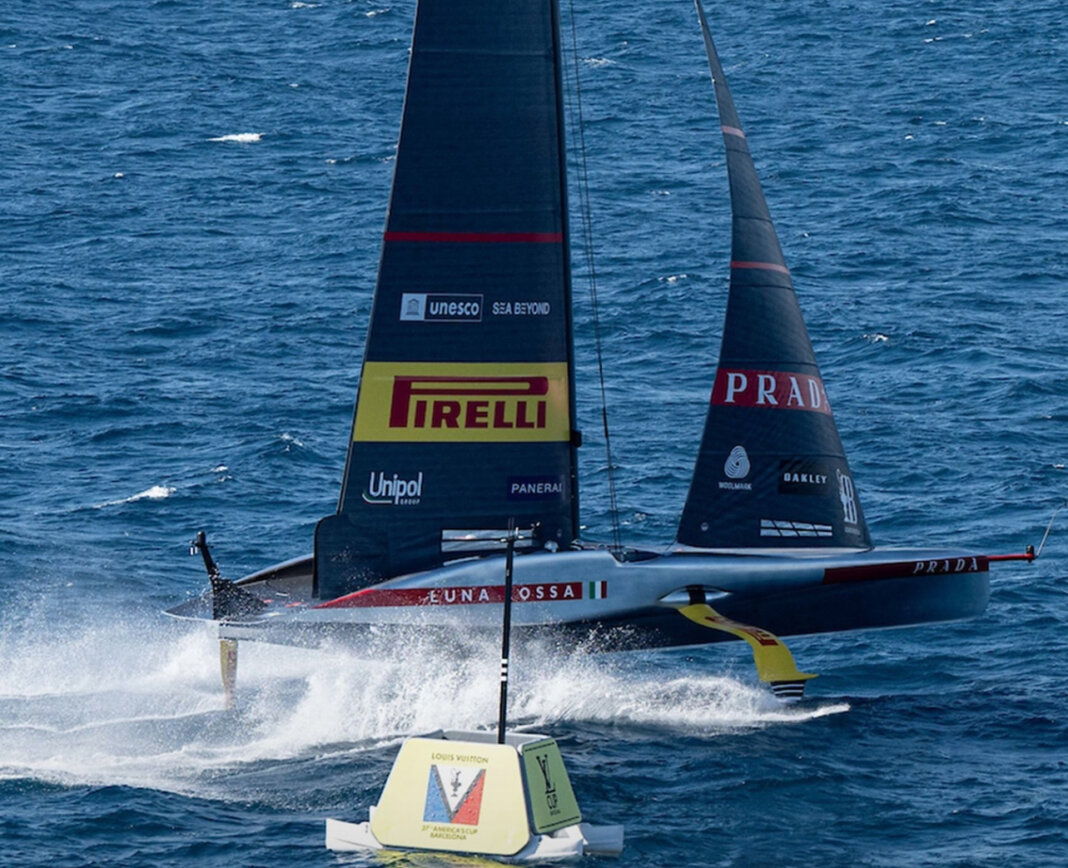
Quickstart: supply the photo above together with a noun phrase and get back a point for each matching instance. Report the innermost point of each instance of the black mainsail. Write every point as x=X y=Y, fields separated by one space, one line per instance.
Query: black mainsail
x=771 y=471
x=464 y=416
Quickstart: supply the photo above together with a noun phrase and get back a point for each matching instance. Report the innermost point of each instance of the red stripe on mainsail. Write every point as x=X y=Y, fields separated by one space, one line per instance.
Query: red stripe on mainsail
x=478 y=237
x=766 y=266
x=733 y=131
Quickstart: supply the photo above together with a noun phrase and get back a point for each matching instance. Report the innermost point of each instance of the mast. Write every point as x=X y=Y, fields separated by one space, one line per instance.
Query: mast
x=464 y=416
x=575 y=436
x=771 y=471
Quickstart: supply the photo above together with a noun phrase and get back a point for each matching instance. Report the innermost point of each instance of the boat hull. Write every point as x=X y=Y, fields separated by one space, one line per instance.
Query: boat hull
x=610 y=603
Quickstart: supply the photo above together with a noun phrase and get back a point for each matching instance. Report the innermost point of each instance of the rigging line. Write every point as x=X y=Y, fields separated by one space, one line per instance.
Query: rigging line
x=574 y=107
x=1049 y=527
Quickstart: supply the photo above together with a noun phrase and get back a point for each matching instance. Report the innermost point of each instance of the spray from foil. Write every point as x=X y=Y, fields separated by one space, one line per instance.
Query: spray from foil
x=140 y=704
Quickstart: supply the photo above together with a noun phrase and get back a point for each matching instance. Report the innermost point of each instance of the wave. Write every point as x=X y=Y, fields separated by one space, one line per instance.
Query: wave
x=156 y=492
x=243 y=138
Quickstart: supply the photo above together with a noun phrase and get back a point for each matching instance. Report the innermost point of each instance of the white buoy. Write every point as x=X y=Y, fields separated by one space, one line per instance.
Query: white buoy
x=462 y=792
x=490 y=794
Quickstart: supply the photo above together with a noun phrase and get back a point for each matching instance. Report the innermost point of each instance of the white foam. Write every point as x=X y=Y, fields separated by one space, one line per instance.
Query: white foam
x=243 y=138
x=156 y=492
x=139 y=704
x=608 y=689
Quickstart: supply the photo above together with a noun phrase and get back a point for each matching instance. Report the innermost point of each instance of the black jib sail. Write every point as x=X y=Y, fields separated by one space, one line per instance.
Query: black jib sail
x=465 y=407
x=771 y=471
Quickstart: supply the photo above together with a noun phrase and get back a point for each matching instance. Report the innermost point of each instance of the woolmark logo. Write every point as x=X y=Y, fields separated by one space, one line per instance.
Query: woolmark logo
x=736 y=468
x=737 y=464
x=776 y=390
x=393 y=490
x=440 y=307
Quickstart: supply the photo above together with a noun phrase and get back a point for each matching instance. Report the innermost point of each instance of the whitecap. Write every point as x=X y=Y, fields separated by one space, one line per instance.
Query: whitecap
x=243 y=138
x=156 y=492
x=291 y=441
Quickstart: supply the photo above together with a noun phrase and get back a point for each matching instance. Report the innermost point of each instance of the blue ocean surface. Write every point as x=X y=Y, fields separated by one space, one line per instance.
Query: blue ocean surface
x=193 y=196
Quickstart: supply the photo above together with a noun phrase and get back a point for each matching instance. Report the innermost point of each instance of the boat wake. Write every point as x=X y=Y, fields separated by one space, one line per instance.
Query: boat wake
x=694 y=704
x=106 y=706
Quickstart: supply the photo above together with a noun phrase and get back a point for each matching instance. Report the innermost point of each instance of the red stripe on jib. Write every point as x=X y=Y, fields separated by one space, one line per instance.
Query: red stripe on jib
x=478 y=237
x=763 y=266
x=772 y=390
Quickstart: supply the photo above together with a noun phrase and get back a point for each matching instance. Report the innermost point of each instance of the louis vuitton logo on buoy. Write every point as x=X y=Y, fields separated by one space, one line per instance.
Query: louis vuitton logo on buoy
x=551 y=798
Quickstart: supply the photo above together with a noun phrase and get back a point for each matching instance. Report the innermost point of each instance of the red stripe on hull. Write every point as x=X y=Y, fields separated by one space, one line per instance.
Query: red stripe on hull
x=472 y=595
x=906 y=569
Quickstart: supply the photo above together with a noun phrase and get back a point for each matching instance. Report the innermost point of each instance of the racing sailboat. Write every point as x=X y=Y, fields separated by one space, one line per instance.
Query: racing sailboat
x=464 y=424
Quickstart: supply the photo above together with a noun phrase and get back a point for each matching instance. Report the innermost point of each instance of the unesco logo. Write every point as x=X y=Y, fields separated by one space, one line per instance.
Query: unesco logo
x=440 y=307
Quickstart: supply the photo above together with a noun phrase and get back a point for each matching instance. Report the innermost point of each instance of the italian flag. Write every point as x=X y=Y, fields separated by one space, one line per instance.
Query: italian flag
x=597 y=590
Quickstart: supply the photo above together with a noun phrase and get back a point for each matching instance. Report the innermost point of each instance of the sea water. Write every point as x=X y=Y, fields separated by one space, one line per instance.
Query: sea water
x=193 y=197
